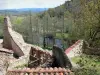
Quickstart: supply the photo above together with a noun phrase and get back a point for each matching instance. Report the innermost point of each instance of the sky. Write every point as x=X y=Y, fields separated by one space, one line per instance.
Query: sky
x=16 y=4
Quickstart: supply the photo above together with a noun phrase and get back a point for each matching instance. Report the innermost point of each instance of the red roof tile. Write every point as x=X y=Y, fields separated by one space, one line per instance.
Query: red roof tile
x=40 y=71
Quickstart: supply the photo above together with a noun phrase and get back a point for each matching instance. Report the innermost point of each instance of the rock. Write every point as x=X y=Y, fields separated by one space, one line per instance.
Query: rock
x=60 y=58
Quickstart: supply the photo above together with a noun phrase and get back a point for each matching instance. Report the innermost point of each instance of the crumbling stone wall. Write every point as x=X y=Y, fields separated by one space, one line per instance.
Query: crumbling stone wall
x=4 y=61
x=7 y=39
x=12 y=40
x=15 y=42
x=75 y=49
x=38 y=57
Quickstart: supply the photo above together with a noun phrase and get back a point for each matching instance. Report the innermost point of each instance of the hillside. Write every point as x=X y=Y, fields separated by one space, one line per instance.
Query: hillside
x=22 y=11
x=80 y=20
x=75 y=19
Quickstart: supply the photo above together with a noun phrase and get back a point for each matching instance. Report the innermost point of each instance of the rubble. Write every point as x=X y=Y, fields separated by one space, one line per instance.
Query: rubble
x=27 y=54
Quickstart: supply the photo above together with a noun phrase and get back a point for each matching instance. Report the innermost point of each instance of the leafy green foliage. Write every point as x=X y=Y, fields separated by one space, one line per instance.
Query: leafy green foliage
x=59 y=35
x=90 y=65
x=1 y=26
x=86 y=22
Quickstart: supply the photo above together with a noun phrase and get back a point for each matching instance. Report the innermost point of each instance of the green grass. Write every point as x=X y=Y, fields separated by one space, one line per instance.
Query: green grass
x=90 y=65
x=60 y=35
x=48 y=48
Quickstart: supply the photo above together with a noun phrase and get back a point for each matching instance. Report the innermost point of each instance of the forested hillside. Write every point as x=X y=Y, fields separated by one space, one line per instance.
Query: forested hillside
x=76 y=19
x=80 y=20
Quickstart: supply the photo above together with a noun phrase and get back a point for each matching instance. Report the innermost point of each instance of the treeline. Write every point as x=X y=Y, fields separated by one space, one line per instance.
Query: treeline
x=74 y=20
x=1 y=26
x=81 y=20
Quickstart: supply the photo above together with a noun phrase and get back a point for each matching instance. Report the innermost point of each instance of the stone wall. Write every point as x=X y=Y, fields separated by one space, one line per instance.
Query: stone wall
x=6 y=38
x=36 y=57
x=12 y=40
x=75 y=49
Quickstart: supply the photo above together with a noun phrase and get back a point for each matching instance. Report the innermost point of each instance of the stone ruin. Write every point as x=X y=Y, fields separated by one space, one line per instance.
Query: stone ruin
x=14 y=49
x=5 y=54
x=13 y=40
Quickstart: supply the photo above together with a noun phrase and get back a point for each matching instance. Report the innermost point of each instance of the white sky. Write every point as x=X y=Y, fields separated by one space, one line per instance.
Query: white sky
x=10 y=4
